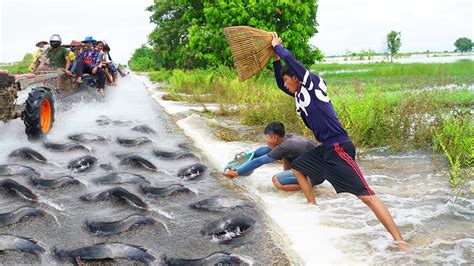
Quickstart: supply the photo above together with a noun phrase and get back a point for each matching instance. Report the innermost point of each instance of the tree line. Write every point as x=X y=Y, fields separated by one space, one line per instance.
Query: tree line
x=189 y=33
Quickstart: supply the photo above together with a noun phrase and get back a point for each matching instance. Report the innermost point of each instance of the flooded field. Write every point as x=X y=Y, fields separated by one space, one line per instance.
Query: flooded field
x=415 y=58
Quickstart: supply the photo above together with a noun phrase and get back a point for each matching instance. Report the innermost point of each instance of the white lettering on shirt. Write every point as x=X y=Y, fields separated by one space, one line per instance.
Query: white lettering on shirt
x=303 y=98
x=322 y=88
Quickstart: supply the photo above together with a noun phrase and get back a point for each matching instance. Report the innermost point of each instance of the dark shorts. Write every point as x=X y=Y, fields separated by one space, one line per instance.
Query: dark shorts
x=112 y=68
x=336 y=164
x=288 y=178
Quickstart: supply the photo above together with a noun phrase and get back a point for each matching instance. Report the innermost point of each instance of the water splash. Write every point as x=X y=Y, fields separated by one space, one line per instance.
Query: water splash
x=194 y=190
x=165 y=226
x=56 y=206
x=54 y=216
x=166 y=214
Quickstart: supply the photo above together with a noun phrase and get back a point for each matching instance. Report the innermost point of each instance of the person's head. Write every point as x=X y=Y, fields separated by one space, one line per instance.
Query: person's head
x=291 y=82
x=100 y=45
x=41 y=44
x=55 y=41
x=75 y=45
x=89 y=42
x=274 y=134
x=106 y=48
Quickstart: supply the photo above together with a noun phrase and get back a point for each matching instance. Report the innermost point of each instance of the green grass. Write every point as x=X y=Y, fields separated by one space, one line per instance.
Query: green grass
x=455 y=138
x=386 y=105
x=21 y=67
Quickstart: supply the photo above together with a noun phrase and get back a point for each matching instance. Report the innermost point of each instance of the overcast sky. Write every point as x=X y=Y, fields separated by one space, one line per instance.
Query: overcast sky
x=343 y=24
x=361 y=24
x=124 y=24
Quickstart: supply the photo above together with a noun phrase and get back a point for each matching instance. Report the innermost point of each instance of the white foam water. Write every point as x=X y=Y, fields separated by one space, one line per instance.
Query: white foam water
x=165 y=226
x=166 y=214
x=54 y=216
x=56 y=206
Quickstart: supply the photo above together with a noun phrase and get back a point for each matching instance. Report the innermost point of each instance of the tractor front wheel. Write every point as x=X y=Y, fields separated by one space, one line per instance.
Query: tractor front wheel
x=39 y=113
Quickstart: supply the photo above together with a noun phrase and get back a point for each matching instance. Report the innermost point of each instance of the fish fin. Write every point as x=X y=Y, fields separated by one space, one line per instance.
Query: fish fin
x=139 y=247
x=28 y=239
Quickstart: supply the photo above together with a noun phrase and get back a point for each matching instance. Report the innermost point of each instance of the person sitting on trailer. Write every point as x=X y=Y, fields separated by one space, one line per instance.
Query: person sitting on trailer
x=113 y=69
x=74 y=53
x=40 y=53
x=89 y=62
x=105 y=65
x=279 y=147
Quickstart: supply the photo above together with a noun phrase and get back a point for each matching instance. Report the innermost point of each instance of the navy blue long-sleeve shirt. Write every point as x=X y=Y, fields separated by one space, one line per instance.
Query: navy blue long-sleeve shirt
x=312 y=101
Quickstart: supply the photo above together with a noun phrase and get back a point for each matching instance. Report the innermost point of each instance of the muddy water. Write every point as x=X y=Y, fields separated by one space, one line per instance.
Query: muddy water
x=416 y=190
x=341 y=230
x=64 y=226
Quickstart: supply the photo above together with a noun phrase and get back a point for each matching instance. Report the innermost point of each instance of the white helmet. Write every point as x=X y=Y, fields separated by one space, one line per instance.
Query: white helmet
x=55 y=38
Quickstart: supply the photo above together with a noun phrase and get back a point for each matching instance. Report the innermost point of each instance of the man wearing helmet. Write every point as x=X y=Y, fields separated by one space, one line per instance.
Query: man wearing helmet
x=58 y=56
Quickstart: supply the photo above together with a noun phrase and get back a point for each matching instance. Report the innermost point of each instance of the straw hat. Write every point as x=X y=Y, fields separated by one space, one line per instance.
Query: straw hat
x=38 y=44
x=75 y=43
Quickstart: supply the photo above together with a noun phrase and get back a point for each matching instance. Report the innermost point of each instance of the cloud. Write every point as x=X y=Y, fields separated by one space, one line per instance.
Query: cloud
x=124 y=24
x=425 y=25
x=343 y=24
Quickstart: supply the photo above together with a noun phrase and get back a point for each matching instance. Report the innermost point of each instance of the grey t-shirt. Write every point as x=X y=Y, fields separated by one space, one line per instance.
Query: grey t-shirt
x=291 y=147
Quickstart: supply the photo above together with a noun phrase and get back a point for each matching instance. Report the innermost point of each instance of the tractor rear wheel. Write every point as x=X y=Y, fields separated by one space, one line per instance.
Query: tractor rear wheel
x=39 y=113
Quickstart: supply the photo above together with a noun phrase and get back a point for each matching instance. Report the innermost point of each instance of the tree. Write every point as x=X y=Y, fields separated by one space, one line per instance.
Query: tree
x=463 y=44
x=393 y=43
x=143 y=59
x=170 y=37
x=369 y=53
x=189 y=33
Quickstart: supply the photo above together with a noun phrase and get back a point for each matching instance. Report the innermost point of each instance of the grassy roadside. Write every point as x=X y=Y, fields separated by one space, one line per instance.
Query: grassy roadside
x=404 y=106
x=21 y=67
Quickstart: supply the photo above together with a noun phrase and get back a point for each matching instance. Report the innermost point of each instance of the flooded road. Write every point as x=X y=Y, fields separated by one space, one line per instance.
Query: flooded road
x=177 y=230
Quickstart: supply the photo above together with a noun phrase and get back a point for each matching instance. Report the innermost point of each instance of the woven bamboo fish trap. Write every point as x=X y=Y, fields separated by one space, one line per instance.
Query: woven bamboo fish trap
x=251 y=49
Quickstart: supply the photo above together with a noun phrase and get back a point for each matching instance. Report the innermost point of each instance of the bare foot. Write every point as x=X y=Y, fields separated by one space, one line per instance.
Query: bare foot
x=404 y=246
x=101 y=92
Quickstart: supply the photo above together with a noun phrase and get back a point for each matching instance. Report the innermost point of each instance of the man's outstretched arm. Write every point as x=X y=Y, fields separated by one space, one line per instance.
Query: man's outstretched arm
x=254 y=164
x=249 y=166
x=261 y=151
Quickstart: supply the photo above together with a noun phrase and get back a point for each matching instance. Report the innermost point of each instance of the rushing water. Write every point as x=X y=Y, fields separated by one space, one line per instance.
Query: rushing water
x=64 y=228
x=341 y=229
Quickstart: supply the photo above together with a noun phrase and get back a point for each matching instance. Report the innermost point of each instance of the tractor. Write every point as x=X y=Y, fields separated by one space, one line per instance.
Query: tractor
x=38 y=110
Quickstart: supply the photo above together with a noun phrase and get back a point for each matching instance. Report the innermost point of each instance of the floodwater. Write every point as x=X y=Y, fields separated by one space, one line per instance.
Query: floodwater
x=177 y=234
x=341 y=229
x=415 y=58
